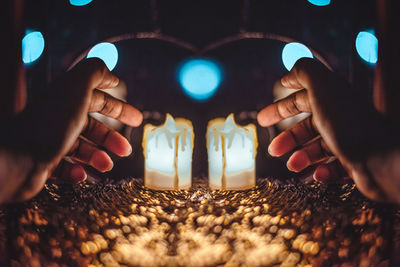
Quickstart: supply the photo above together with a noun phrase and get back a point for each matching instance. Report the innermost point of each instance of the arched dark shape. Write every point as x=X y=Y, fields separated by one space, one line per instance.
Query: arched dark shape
x=199 y=52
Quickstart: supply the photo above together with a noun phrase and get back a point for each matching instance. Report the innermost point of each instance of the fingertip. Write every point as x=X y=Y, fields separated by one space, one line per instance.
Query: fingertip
x=139 y=118
x=271 y=150
x=125 y=148
x=114 y=81
x=274 y=148
x=136 y=117
x=264 y=117
x=298 y=161
x=118 y=144
x=78 y=174
x=284 y=81
x=322 y=174
x=260 y=119
x=101 y=161
x=281 y=144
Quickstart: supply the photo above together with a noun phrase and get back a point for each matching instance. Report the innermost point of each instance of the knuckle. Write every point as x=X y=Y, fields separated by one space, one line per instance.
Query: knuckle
x=290 y=106
x=303 y=63
x=95 y=64
x=304 y=67
x=294 y=136
x=109 y=106
x=93 y=68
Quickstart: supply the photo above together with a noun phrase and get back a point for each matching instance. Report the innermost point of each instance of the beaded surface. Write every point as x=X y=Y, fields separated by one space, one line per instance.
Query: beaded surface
x=127 y=225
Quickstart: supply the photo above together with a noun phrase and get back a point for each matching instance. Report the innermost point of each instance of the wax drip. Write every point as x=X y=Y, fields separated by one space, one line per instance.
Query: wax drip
x=223 y=178
x=176 y=177
x=184 y=133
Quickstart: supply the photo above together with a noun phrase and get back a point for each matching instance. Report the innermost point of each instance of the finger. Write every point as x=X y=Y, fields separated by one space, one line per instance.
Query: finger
x=69 y=171
x=332 y=171
x=93 y=73
x=317 y=79
x=285 y=108
x=115 y=108
x=89 y=154
x=304 y=73
x=311 y=154
x=298 y=135
x=103 y=136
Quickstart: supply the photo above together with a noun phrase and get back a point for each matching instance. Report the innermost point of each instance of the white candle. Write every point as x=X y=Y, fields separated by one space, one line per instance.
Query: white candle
x=231 y=154
x=168 y=153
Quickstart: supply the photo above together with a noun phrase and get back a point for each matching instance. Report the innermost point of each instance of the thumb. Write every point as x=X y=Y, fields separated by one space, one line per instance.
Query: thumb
x=93 y=73
x=304 y=73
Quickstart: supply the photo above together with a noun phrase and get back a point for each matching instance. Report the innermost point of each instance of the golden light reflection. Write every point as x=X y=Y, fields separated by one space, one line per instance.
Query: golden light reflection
x=269 y=225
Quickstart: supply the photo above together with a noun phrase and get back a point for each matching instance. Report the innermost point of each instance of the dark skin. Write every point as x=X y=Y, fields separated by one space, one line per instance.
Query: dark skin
x=362 y=138
x=338 y=127
x=73 y=133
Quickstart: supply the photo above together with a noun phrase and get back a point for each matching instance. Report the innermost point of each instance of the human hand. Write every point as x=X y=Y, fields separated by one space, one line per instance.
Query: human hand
x=342 y=124
x=60 y=126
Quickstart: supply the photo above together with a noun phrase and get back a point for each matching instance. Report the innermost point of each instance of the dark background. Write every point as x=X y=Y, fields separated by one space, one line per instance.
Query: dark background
x=149 y=66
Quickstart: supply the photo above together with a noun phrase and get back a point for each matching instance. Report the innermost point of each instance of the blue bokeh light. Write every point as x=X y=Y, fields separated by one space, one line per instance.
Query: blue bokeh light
x=320 y=2
x=32 y=46
x=200 y=78
x=79 y=2
x=293 y=52
x=367 y=46
x=106 y=52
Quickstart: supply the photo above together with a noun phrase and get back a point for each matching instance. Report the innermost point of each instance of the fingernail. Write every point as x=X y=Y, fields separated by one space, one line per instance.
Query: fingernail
x=270 y=151
x=78 y=174
x=101 y=161
x=322 y=174
x=296 y=166
x=259 y=119
x=115 y=81
x=126 y=149
x=298 y=161
x=129 y=151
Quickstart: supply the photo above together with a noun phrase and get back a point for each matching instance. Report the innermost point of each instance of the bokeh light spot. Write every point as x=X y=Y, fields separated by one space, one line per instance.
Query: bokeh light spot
x=200 y=78
x=293 y=52
x=320 y=2
x=79 y=2
x=106 y=52
x=32 y=46
x=367 y=46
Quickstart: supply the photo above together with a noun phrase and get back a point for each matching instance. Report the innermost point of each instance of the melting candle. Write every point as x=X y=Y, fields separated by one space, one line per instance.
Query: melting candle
x=231 y=154
x=168 y=151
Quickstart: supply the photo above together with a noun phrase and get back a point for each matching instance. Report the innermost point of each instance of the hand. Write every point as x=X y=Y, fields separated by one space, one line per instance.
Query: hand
x=59 y=126
x=342 y=124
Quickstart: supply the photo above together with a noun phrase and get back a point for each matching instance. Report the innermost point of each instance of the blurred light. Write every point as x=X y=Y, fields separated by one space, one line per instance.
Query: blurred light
x=79 y=2
x=200 y=78
x=293 y=52
x=367 y=46
x=320 y=2
x=106 y=52
x=32 y=46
